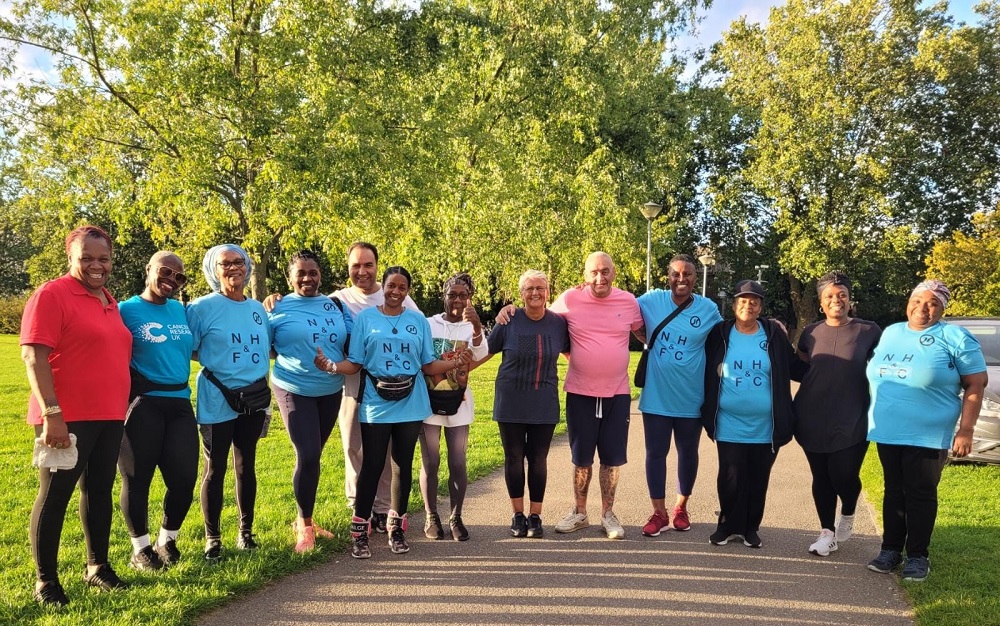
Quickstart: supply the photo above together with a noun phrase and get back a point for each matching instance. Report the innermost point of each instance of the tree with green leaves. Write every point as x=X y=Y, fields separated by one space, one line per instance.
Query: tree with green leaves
x=864 y=148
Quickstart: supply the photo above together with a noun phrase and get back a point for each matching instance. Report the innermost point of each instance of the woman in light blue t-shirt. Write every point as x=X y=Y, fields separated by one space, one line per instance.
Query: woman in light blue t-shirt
x=307 y=398
x=925 y=376
x=392 y=347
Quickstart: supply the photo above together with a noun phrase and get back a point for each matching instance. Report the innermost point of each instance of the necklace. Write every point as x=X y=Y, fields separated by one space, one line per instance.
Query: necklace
x=390 y=317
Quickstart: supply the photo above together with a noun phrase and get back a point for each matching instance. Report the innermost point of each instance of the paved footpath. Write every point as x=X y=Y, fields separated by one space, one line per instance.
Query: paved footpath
x=584 y=578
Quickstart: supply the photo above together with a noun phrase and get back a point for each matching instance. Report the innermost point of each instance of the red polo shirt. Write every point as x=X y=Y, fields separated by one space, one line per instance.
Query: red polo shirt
x=91 y=349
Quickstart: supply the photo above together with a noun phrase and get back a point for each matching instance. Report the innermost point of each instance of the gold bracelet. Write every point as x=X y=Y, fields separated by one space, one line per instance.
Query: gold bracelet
x=51 y=410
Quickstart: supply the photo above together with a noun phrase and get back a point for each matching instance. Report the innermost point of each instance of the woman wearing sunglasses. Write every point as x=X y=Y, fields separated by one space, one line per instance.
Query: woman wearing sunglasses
x=160 y=428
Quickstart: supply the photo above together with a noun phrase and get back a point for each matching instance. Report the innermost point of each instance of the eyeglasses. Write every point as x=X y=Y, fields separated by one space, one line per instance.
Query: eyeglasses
x=534 y=289
x=231 y=264
x=165 y=272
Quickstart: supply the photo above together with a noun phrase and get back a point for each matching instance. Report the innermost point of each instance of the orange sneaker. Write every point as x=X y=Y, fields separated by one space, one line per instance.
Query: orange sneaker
x=305 y=539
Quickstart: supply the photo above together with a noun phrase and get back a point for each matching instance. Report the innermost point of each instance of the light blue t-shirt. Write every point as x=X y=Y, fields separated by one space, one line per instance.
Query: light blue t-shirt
x=675 y=374
x=914 y=377
x=161 y=342
x=383 y=352
x=233 y=339
x=745 y=398
x=299 y=325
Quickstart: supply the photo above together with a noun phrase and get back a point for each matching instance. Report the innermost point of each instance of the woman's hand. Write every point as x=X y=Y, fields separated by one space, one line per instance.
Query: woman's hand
x=506 y=314
x=55 y=434
x=323 y=363
x=973 y=386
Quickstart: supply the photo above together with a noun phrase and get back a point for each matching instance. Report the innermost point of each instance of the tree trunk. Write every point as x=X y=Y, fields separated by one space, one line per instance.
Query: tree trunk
x=804 y=303
x=258 y=280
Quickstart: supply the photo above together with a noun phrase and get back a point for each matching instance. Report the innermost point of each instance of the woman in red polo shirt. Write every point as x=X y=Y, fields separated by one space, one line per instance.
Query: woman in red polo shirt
x=76 y=349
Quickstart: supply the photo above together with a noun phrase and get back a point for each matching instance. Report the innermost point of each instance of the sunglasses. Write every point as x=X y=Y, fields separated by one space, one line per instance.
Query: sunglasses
x=165 y=272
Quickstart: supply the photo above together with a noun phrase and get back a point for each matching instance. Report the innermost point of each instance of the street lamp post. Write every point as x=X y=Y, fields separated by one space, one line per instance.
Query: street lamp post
x=706 y=260
x=649 y=210
x=760 y=272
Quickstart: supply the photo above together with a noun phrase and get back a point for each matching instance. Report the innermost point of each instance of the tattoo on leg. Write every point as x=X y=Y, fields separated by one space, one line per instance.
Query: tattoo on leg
x=581 y=481
x=609 y=485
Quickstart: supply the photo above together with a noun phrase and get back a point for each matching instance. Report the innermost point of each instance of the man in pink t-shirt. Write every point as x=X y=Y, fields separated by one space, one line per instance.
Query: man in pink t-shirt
x=598 y=403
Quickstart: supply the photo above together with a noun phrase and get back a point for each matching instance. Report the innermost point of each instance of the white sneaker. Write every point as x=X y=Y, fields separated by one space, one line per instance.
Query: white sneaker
x=826 y=544
x=572 y=522
x=845 y=527
x=612 y=527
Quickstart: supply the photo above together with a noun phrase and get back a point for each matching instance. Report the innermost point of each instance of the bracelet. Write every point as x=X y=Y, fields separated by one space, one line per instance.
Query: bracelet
x=333 y=365
x=477 y=336
x=51 y=410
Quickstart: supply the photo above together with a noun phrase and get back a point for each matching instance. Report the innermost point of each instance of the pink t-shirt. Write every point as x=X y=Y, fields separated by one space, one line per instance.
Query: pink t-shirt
x=91 y=349
x=599 y=331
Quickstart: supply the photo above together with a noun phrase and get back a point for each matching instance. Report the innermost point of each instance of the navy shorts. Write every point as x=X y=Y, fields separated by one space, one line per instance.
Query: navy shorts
x=598 y=424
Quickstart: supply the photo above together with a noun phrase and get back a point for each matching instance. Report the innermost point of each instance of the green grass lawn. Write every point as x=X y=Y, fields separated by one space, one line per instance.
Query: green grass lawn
x=961 y=590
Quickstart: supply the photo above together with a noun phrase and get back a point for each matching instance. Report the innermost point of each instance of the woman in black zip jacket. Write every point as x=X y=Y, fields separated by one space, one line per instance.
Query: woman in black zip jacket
x=747 y=410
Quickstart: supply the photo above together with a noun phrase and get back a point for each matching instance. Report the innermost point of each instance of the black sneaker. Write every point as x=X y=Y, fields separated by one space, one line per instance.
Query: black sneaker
x=720 y=537
x=519 y=525
x=104 y=579
x=379 y=521
x=886 y=561
x=360 y=549
x=51 y=594
x=535 y=526
x=146 y=560
x=397 y=541
x=213 y=550
x=432 y=527
x=458 y=530
x=246 y=541
x=752 y=539
x=916 y=568
x=168 y=552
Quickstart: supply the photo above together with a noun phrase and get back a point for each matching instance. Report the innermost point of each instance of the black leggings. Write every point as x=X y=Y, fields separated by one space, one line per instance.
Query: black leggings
x=309 y=421
x=159 y=432
x=242 y=435
x=457 y=438
x=910 y=502
x=836 y=474
x=376 y=441
x=97 y=444
x=526 y=442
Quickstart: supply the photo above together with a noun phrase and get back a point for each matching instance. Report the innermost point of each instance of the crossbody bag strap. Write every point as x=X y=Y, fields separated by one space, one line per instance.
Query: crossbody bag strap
x=215 y=381
x=667 y=320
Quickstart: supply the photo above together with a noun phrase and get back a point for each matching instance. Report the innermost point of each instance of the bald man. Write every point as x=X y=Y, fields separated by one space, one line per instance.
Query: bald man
x=598 y=400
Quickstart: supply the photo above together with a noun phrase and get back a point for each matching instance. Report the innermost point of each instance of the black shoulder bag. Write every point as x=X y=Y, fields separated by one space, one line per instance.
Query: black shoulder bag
x=639 y=380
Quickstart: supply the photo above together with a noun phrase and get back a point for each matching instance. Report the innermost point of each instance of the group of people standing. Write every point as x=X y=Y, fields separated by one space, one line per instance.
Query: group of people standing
x=110 y=383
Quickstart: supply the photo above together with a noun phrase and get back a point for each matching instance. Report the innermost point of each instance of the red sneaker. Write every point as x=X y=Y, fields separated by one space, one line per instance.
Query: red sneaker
x=657 y=522
x=681 y=520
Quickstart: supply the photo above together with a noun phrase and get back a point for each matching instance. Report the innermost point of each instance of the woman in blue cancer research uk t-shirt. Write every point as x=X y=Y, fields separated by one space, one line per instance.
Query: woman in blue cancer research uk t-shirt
x=747 y=411
x=160 y=429
x=392 y=344
x=919 y=369
x=308 y=398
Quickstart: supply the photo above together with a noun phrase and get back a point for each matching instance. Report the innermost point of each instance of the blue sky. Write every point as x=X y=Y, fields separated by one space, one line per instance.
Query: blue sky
x=32 y=63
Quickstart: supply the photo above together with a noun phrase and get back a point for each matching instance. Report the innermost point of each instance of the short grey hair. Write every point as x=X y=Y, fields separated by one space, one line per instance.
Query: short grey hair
x=530 y=274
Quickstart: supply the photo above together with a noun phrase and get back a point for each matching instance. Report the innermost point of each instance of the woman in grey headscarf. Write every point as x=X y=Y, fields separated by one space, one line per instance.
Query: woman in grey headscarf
x=232 y=341
x=925 y=376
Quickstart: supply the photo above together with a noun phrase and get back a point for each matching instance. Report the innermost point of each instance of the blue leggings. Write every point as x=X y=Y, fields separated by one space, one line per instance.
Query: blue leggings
x=687 y=435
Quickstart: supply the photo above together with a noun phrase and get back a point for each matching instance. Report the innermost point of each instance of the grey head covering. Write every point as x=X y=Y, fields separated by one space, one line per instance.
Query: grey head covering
x=208 y=265
x=936 y=287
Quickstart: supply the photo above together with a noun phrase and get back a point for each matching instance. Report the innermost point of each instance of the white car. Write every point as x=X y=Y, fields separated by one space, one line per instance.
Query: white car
x=986 y=438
